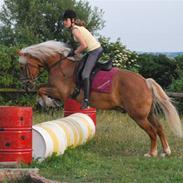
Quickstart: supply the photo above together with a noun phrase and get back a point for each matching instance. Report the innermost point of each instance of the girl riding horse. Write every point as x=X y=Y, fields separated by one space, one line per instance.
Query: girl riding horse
x=87 y=42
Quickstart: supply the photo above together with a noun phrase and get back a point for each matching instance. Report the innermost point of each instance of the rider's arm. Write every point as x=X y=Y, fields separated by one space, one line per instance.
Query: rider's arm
x=82 y=42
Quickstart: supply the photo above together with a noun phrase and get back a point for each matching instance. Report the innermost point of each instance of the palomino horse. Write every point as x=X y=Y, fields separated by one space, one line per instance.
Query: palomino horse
x=130 y=91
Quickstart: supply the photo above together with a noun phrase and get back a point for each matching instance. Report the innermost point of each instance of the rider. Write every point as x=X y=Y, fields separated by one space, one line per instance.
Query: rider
x=86 y=42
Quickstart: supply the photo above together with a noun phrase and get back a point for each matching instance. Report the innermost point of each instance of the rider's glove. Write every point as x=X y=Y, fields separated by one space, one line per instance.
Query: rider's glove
x=71 y=53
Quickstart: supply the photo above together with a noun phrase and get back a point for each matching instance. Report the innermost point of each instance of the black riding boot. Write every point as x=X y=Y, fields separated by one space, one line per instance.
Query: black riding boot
x=86 y=89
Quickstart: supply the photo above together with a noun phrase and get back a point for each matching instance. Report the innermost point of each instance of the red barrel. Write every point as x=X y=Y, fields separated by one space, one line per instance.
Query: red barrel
x=16 y=134
x=72 y=106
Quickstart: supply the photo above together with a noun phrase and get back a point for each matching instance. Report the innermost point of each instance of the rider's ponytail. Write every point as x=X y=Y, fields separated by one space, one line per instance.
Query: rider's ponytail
x=80 y=22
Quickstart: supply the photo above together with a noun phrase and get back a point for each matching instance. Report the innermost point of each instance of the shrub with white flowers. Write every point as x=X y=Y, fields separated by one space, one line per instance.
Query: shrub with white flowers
x=120 y=56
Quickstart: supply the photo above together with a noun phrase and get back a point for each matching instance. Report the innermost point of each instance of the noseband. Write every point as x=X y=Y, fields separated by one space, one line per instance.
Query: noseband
x=27 y=74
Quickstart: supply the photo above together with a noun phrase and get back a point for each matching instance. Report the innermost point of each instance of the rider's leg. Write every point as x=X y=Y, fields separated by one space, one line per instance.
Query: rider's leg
x=89 y=65
x=86 y=89
x=78 y=79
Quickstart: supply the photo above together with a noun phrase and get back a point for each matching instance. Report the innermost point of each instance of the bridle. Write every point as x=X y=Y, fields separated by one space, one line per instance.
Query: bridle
x=27 y=74
x=29 y=80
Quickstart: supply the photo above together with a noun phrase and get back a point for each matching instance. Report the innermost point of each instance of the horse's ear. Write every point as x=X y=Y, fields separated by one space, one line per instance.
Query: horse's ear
x=20 y=53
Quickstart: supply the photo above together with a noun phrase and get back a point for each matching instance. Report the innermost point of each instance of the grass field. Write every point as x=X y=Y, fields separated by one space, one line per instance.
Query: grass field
x=114 y=155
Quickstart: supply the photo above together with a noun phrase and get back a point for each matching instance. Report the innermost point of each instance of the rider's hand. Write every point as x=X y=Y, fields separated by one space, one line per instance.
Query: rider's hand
x=78 y=56
x=71 y=54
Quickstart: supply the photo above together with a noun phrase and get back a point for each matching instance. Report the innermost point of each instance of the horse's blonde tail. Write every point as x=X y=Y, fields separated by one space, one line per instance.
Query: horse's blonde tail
x=160 y=97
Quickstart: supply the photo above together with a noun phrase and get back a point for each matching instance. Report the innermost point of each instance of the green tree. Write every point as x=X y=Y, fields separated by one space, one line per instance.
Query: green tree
x=9 y=70
x=159 y=67
x=177 y=84
x=32 y=21
x=179 y=60
x=120 y=55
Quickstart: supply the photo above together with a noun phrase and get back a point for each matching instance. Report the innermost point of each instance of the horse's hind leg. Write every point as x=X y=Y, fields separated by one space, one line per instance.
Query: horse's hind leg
x=155 y=122
x=151 y=131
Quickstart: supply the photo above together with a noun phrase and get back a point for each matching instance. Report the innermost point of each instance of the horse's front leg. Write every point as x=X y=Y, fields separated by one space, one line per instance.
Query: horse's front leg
x=47 y=96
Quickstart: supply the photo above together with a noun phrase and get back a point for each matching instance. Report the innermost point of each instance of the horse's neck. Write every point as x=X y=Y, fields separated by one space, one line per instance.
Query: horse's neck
x=62 y=71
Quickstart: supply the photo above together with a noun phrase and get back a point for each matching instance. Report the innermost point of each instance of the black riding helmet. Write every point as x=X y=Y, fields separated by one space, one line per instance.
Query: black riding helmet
x=69 y=14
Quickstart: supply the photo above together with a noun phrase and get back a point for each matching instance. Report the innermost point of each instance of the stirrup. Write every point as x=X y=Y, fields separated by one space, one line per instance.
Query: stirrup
x=75 y=93
x=85 y=104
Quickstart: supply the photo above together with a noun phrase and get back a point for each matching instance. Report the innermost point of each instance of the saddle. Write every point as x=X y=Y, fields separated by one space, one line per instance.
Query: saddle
x=100 y=66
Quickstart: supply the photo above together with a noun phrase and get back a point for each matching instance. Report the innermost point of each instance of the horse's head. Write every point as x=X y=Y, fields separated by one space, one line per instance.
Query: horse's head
x=29 y=70
x=45 y=54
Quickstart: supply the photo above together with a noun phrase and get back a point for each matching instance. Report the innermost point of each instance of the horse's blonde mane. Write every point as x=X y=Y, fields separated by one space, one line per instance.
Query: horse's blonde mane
x=43 y=50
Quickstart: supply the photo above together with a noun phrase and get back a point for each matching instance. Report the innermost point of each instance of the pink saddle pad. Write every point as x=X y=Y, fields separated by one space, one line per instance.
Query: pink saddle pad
x=102 y=81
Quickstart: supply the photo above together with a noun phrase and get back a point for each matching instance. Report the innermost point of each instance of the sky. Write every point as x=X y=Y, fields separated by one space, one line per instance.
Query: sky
x=143 y=25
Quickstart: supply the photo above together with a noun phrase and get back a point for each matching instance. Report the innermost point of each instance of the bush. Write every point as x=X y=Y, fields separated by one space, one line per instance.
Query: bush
x=121 y=57
x=159 y=67
x=177 y=85
x=9 y=78
x=23 y=99
x=9 y=70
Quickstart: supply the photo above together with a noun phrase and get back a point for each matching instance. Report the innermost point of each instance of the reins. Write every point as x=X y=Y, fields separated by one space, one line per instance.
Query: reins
x=28 y=74
x=60 y=61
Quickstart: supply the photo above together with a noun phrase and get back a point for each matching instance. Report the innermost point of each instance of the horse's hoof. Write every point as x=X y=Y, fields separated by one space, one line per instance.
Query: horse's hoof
x=149 y=155
x=40 y=102
x=166 y=152
x=163 y=155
